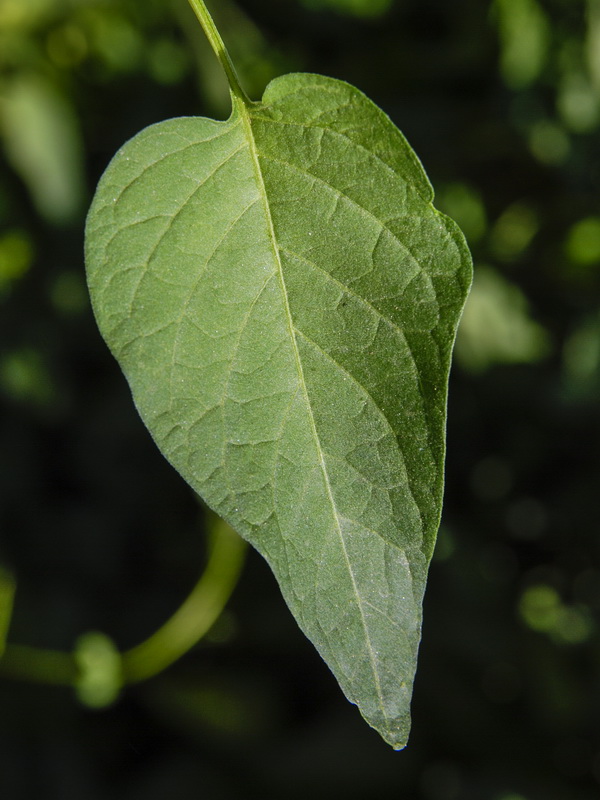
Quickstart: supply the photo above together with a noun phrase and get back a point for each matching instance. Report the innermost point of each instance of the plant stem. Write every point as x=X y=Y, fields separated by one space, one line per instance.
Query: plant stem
x=38 y=666
x=217 y=44
x=197 y=614
x=181 y=632
x=7 y=593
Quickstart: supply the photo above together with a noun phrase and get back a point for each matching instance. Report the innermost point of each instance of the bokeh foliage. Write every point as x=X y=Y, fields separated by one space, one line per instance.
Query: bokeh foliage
x=502 y=101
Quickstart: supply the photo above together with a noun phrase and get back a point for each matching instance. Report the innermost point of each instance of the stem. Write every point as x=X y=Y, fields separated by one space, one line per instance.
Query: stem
x=218 y=46
x=7 y=593
x=39 y=666
x=197 y=614
x=185 y=628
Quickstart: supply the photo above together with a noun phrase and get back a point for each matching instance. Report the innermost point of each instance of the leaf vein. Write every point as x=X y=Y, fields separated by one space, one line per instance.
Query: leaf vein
x=363 y=210
x=385 y=420
x=304 y=388
x=201 y=273
x=188 y=146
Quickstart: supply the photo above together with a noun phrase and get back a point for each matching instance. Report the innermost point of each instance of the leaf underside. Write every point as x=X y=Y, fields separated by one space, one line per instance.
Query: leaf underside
x=283 y=299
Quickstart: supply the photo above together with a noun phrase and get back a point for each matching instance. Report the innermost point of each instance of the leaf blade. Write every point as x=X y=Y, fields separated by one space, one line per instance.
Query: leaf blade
x=286 y=333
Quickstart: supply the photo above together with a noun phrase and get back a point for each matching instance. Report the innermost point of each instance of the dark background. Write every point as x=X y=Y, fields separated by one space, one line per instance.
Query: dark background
x=502 y=102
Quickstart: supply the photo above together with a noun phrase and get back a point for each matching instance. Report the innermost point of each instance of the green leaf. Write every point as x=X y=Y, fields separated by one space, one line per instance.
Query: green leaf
x=43 y=143
x=283 y=299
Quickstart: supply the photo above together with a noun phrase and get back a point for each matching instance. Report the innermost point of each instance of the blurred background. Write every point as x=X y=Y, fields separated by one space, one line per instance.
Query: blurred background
x=501 y=100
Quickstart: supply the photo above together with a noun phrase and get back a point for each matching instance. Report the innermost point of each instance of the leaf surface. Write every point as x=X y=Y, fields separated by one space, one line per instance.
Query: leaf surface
x=283 y=299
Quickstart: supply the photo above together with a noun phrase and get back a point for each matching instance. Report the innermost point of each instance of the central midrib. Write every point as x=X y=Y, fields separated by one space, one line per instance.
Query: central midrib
x=246 y=119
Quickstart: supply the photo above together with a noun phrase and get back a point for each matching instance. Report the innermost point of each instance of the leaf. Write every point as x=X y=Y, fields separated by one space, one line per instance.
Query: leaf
x=283 y=299
x=43 y=143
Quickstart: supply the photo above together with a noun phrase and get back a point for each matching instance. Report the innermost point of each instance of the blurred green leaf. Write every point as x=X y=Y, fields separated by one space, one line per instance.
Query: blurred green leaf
x=115 y=39
x=542 y=609
x=524 y=37
x=549 y=142
x=513 y=231
x=168 y=61
x=42 y=141
x=496 y=327
x=67 y=45
x=68 y=293
x=464 y=205
x=578 y=102
x=19 y=15
x=16 y=256
x=583 y=242
x=592 y=42
x=25 y=378
x=581 y=358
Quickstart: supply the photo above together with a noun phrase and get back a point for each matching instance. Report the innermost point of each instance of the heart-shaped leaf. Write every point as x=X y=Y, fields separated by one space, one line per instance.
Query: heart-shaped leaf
x=283 y=299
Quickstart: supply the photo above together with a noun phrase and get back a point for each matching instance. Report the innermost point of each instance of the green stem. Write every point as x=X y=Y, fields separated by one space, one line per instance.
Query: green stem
x=197 y=614
x=7 y=593
x=181 y=632
x=39 y=666
x=217 y=44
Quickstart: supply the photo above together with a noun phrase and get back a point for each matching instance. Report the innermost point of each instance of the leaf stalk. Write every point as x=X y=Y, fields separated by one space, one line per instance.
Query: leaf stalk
x=218 y=46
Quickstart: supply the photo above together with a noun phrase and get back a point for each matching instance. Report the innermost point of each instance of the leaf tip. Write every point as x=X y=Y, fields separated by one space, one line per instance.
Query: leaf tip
x=393 y=732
